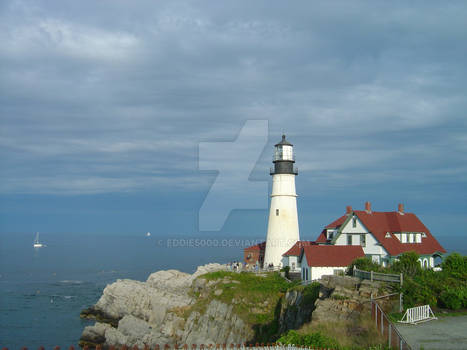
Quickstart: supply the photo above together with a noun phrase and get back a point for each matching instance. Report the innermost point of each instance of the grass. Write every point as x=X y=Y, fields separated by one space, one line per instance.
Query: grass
x=254 y=297
x=350 y=335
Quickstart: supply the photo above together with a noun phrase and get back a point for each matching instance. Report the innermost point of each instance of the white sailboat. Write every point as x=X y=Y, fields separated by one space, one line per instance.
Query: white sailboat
x=38 y=244
x=148 y=234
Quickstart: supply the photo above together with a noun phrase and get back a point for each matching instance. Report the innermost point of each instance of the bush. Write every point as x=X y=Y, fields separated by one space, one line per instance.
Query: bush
x=452 y=299
x=455 y=263
x=408 y=264
x=315 y=339
x=365 y=264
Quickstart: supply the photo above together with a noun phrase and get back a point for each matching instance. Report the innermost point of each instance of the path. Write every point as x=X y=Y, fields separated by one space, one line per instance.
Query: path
x=445 y=333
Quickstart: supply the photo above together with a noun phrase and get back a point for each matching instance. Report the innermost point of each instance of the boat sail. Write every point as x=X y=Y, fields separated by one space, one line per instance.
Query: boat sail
x=38 y=244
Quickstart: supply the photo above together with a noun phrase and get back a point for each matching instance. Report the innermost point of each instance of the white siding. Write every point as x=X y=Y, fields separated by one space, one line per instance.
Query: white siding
x=293 y=263
x=371 y=247
x=318 y=271
x=348 y=228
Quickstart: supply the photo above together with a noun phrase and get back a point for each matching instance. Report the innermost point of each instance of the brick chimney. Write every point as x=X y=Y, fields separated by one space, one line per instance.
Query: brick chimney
x=368 y=207
x=400 y=208
x=348 y=210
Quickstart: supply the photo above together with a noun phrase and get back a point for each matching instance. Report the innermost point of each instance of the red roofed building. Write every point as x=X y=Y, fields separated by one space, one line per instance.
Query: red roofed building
x=255 y=254
x=383 y=236
x=290 y=257
x=319 y=260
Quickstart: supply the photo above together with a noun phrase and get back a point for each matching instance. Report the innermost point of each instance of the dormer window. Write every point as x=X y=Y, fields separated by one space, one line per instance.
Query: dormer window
x=423 y=235
x=354 y=222
x=388 y=235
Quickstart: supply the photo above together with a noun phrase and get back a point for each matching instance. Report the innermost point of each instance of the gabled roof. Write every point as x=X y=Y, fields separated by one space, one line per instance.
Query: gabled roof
x=337 y=223
x=379 y=223
x=332 y=255
x=259 y=246
x=297 y=248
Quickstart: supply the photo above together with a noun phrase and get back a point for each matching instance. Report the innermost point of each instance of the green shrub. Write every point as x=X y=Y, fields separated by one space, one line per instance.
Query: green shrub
x=315 y=339
x=452 y=299
x=455 y=263
x=311 y=293
x=365 y=264
x=407 y=264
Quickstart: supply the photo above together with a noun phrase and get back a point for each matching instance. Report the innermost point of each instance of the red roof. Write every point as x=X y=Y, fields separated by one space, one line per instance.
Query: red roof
x=259 y=246
x=379 y=223
x=297 y=248
x=332 y=255
x=337 y=223
x=322 y=237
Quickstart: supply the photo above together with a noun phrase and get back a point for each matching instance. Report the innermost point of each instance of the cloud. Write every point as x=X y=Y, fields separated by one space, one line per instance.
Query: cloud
x=100 y=97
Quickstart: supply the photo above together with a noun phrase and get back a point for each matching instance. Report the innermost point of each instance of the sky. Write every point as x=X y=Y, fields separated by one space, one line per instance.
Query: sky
x=124 y=117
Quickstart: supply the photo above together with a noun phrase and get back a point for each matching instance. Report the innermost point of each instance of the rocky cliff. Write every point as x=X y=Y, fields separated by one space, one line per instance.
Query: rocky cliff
x=213 y=306
x=158 y=312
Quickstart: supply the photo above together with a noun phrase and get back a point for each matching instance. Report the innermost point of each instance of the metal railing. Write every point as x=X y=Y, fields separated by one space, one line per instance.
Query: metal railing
x=377 y=276
x=387 y=329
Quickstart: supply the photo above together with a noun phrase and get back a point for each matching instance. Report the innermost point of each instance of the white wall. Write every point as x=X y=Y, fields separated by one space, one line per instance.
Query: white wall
x=290 y=261
x=318 y=271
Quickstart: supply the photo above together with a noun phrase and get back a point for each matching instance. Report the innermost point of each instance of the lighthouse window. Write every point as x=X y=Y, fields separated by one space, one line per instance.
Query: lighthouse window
x=277 y=212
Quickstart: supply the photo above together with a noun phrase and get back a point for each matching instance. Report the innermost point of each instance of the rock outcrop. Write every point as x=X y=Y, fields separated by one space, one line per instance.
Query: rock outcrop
x=345 y=298
x=152 y=312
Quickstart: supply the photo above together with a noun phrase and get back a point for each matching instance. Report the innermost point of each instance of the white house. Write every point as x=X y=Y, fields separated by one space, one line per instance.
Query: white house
x=319 y=260
x=383 y=236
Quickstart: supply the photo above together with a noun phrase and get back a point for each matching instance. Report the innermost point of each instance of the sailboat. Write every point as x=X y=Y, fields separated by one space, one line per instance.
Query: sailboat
x=148 y=234
x=38 y=244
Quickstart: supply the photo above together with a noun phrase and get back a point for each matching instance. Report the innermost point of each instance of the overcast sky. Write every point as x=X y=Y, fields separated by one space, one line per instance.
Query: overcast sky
x=104 y=104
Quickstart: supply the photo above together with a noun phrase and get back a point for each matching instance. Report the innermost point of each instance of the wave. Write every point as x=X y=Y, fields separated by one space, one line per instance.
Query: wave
x=71 y=282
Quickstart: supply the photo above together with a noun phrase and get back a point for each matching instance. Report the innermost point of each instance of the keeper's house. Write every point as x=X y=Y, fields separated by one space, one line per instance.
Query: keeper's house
x=383 y=236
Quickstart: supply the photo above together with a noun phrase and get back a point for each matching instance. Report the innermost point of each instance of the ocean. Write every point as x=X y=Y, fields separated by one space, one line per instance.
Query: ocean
x=42 y=291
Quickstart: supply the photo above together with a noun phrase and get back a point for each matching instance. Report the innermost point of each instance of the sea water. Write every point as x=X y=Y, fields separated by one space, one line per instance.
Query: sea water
x=43 y=290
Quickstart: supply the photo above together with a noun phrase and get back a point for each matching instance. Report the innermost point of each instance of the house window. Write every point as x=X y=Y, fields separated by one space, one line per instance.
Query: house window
x=349 y=239
x=354 y=222
x=277 y=212
x=330 y=234
x=363 y=240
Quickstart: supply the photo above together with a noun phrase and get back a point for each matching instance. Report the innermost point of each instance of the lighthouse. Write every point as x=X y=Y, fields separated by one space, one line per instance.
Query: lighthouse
x=283 y=230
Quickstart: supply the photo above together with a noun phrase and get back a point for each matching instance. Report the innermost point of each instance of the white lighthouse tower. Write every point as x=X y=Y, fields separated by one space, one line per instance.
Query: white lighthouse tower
x=283 y=230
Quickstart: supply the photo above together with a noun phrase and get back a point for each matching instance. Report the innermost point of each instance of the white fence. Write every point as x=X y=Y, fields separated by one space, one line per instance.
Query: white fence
x=418 y=314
